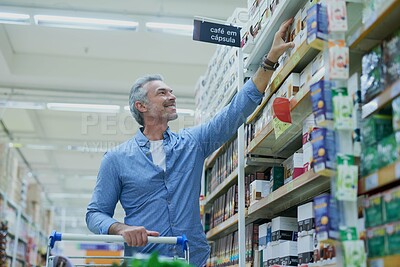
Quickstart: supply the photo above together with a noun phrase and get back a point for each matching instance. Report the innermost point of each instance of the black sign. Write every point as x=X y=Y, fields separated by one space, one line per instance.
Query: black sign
x=216 y=33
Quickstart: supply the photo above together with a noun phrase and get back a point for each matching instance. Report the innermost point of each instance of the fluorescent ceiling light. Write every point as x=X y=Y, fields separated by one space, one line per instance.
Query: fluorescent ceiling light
x=14 y=18
x=84 y=107
x=181 y=29
x=182 y=111
x=85 y=23
x=40 y=147
x=21 y=105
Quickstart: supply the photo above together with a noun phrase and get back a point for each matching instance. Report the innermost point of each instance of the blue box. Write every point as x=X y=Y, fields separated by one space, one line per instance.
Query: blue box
x=317 y=26
x=324 y=153
x=322 y=105
x=326 y=218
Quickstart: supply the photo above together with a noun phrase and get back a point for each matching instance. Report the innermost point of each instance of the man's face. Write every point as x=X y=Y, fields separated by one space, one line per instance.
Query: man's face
x=161 y=101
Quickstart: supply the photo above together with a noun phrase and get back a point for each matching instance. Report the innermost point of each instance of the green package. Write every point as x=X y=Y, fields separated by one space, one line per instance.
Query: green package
x=393 y=238
x=369 y=160
x=376 y=242
x=277 y=177
x=396 y=113
x=354 y=253
x=373 y=211
x=375 y=128
x=387 y=150
x=346 y=178
x=342 y=108
x=391 y=205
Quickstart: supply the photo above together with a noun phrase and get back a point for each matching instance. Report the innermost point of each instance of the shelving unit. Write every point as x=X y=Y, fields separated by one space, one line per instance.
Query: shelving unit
x=224 y=228
x=388 y=261
x=381 y=100
x=380 y=178
x=366 y=36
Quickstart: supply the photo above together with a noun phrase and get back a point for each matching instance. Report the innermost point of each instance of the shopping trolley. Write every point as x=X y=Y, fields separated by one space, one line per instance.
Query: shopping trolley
x=57 y=236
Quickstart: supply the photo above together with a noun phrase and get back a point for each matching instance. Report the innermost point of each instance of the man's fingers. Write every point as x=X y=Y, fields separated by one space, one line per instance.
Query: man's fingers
x=153 y=233
x=143 y=239
x=285 y=26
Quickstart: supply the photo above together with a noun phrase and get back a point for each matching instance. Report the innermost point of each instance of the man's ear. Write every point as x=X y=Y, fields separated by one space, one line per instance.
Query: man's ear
x=140 y=106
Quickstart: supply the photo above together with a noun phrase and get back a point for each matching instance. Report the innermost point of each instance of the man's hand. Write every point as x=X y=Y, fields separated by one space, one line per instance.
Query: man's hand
x=279 y=46
x=134 y=236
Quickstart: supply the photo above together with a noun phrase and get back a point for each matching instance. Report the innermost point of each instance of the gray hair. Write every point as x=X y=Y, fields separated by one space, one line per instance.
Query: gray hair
x=138 y=93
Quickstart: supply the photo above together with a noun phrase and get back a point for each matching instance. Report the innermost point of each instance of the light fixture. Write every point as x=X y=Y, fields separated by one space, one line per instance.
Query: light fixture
x=14 y=18
x=180 y=29
x=84 y=107
x=40 y=147
x=21 y=105
x=181 y=111
x=85 y=23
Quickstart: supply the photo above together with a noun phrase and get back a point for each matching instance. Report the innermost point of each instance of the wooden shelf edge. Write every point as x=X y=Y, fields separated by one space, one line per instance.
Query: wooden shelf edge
x=380 y=178
x=218 y=190
x=381 y=100
x=222 y=227
x=386 y=261
x=363 y=31
x=286 y=190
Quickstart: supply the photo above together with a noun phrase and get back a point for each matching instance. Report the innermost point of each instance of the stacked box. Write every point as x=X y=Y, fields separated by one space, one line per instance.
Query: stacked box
x=324 y=153
x=276 y=178
x=376 y=241
x=305 y=219
x=288 y=253
x=258 y=190
x=317 y=26
x=391 y=53
x=387 y=151
x=305 y=249
x=373 y=210
x=322 y=105
x=392 y=238
x=375 y=128
x=326 y=218
x=284 y=229
x=391 y=205
x=372 y=81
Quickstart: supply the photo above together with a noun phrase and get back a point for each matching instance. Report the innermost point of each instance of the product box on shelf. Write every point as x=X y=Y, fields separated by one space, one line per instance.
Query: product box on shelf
x=305 y=77
x=391 y=50
x=346 y=178
x=317 y=26
x=396 y=113
x=372 y=78
x=305 y=219
x=391 y=205
x=369 y=160
x=324 y=152
x=338 y=59
x=288 y=253
x=393 y=238
x=276 y=178
x=305 y=249
x=342 y=108
x=387 y=150
x=326 y=218
x=258 y=190
x=307 y=156
x=290 y=87
x=373 y=210
x=376 y=241
x=284 y=229
x=309 y=126
x=324 y=253
x=322 y=105
x=354 y=253
x=337 y=15
x=264 y=235
x=374 y=128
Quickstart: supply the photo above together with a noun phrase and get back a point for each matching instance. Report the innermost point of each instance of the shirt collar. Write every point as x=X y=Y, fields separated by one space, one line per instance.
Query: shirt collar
x=142 y=140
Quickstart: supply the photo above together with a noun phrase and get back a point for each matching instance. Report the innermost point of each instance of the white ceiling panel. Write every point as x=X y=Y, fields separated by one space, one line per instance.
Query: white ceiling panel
x=17 y=120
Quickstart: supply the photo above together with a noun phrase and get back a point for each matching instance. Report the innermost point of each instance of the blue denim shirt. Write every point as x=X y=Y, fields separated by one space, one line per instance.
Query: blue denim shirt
x=167 y=202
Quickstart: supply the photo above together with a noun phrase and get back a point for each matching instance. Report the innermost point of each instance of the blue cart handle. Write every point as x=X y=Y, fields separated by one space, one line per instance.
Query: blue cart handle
x=57 y=236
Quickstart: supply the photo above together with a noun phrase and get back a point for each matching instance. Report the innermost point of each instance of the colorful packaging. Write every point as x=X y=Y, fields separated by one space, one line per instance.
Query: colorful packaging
x=372 y=81
x=276 y=178
x=317 y=26
x=324 y=152
x=391 y=205
x=376 y=242
x=393 y=238
x=391 y=51
x=322 y=105
x=326 y=218
x=373 y=211
x=343 y=109
x=338 y=59
x=375 y=128
x=346 y=178
x=369 y=160
x=337 y=15
x=396 y=113
x=387 y=150
x=354 y=253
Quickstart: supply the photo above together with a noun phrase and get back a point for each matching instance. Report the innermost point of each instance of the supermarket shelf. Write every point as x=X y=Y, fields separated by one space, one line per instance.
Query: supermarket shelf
x=221 y=188
x=387 y=261
x=288 y=142
x=223 y=228
x=303 y=55
x=293 y=193
x=382 y=177
x=377 y=28
x=381 y=100
x=284 y=11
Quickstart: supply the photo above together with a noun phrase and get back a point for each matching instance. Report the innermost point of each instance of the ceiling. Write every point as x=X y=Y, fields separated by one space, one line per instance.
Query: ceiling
x=42 y=64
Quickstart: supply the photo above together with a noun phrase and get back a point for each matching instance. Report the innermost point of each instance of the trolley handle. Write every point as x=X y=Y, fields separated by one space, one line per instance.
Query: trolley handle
x=57 y=236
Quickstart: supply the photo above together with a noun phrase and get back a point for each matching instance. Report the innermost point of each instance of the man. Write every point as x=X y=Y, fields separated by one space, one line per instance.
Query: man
x=156 y=174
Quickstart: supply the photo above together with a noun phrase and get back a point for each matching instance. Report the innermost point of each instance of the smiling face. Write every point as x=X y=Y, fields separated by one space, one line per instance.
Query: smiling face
x=161 y=105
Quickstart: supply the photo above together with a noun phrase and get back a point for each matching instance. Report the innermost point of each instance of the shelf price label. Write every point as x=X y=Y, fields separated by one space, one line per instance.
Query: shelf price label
x=216 y=33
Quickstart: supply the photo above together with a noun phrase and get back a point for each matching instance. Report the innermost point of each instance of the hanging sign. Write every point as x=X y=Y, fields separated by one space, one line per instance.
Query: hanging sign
x=215 y=33
x=282 y=119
